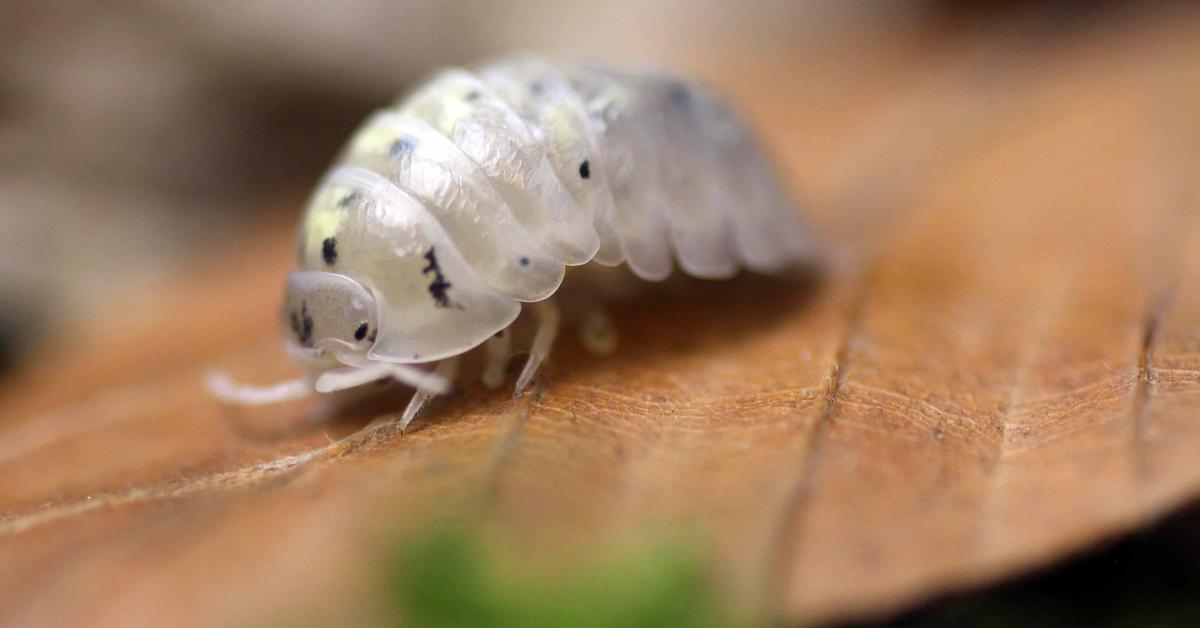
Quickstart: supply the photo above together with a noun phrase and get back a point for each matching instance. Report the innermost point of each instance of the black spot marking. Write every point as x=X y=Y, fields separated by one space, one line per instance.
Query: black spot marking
x=302 y=325
x=473 y=95
x=440 y=287
x=537 y=88
x=374 y=335
x=348 y=199
x=500 y=334
x=403 y=145
x=585 y=170
x=329 y=251
x=524 y=261
x=361 y=332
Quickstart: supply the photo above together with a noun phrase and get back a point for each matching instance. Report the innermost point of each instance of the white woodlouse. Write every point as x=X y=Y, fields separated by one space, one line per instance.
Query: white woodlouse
x=472 y=195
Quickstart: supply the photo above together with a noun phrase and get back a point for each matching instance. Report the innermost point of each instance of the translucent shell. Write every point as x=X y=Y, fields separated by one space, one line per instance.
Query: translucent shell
x=541 y=95
x=618 y=111
x=700 y=207
x=487 y=129
x=422 y=161
x=764 y=227
x=473 y=193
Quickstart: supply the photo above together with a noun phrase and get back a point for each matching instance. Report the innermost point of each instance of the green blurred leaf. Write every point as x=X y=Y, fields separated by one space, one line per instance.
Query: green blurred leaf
x=448 y=579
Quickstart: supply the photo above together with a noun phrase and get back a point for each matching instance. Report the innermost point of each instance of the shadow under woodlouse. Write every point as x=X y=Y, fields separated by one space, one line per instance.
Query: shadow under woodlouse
x=688 y=315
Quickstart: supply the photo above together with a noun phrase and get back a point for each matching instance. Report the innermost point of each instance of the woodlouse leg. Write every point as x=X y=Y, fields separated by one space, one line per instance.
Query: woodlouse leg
x=597 y=333
x=498 y=349
x=447 y=369
x=227 y=391
x=548 y=318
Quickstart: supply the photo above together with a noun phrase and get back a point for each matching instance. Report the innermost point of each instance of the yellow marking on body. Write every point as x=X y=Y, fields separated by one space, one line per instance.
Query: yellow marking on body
x=561 y=125
x=373 y=141
x=325 y=218
x=453 y=110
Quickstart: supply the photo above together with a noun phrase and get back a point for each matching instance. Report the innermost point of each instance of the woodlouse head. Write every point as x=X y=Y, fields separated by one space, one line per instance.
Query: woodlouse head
x=328 y=314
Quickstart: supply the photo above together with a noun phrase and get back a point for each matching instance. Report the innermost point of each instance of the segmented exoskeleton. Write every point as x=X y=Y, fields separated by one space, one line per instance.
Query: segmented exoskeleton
x=473 y=194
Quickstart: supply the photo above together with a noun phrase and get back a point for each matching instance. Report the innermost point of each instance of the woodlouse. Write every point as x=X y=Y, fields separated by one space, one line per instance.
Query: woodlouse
x=472 y=195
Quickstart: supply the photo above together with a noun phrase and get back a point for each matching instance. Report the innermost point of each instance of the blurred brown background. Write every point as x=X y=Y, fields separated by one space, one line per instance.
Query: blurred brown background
x=996 y=371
